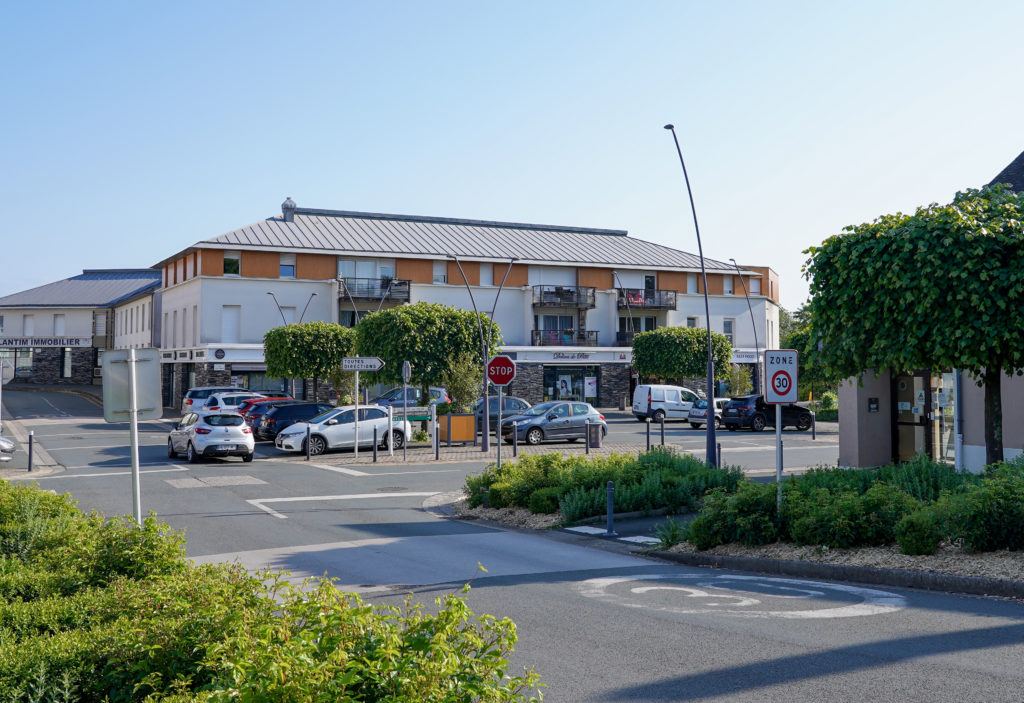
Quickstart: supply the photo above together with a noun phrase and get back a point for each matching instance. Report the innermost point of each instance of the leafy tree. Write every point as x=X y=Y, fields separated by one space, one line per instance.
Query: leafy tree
x=463 y=381
x=431 y=336
x=942 y=288
x=307 y=350
x=675 y=353
x=739 y=379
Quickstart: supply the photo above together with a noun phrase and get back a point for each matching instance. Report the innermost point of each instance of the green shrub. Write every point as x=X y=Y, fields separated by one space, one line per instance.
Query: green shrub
x=988 y=517
x=831 y=415
x=828 y=401
x=747 y=516
x=918 y=532
x=845 y=518
x=545 y=500
x=498 y=495
x=581 y=503
x=670 y=533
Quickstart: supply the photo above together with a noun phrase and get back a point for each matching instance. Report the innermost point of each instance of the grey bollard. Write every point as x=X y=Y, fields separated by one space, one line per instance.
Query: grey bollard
x=611 y=512
x=586 y=428
x=307 y=442
x=437 y=443
x=31 y=440
x=813 y=424
x=374 y=444
x=487 y=502
x=648 y=422
x=515 y=439
x=719 y=464
x=663 y=432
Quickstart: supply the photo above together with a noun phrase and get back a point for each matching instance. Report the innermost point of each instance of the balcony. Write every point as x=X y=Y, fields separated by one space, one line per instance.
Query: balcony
x=373 y=289
x=646 y=299
x=580 y=297
x=625 y=339
x=563 y=338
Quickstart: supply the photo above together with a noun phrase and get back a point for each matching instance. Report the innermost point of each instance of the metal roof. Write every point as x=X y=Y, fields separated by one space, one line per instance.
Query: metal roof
x=403 y=236
x=93 y=288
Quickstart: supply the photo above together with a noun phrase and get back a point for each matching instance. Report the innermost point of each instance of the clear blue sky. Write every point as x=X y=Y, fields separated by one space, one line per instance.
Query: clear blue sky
x=132 y=130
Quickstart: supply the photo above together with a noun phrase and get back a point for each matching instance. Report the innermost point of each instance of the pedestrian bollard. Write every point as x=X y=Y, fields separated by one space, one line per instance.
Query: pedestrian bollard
x=487 y=502
x=437 y=443
x=663 y=432
x=307 y=442
x=515 y=439
x=587 y=429
x=813 y=423
x=648 y=421
x=31 y=439
x=611 y=512
x=719 y=464
x=374 y=444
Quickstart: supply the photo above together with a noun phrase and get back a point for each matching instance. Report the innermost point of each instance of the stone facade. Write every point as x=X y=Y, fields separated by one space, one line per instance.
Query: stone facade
x=612 y=384
x=48 y=367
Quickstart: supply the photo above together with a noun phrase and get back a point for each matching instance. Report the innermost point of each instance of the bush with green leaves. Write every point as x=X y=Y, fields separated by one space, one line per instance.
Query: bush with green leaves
x=919 y=532
x=989 y=516
x=747 y=516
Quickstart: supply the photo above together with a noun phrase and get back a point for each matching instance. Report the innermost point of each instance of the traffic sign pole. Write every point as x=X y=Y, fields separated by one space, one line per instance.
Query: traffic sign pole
x=487 y=411
x=781 y=371
x=133 y=432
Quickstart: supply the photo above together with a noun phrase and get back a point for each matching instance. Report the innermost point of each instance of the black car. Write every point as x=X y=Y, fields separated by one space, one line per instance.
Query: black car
x=510 y=405
x=751 y=411
x=553 y=420
x=276 y=419
x=258 y=409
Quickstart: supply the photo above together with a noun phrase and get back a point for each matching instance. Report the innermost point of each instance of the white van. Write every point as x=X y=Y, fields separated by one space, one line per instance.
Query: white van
x=657 y=402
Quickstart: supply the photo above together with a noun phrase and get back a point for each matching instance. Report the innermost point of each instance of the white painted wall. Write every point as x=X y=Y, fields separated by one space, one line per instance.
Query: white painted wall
x=735 y=307
x=77 y=321
x=515 y=326
x=133 y=324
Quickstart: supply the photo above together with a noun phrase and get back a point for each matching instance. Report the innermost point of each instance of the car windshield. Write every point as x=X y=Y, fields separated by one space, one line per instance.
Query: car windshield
x=325 y=415
x=223 y=420
x=700 y=404
x=540 y=409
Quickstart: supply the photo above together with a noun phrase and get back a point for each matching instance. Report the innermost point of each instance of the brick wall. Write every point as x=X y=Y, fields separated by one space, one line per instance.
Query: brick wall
x=47 y=366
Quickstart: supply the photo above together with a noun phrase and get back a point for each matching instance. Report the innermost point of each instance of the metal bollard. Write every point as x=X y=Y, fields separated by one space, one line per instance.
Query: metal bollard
x=374 y=444
x=307 y=442
x=648 y=421
x=611 y=512
x=663 y=432
x=437 y=443
x=719 y=464
x=515 y=439
x=586 y=427
x=487 y=502
x=31 y=440
x=813 y=424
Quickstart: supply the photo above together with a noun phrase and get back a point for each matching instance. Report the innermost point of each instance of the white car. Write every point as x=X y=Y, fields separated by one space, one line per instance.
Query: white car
x=6 y=449
x=227 y=402
x=201 y=435
x=335 y=429
x=659 y=402
x=699 y=412
x=194 y=399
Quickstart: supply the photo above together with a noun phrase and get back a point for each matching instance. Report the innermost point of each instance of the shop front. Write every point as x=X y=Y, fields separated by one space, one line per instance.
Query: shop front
x=572 y=383
x=600 y=377
x=923 y=415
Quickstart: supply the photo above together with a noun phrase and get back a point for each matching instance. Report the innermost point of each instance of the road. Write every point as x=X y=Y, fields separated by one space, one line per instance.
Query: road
x=599 y=622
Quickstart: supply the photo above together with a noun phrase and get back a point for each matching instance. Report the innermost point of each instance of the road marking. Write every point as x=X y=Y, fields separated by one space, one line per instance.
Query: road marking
x=720 y=595
x=260 y=503
x=640 y=540
x=102 y=446
x=214 y=481
x=587 y=530
x=103 y=475
x=340 y=469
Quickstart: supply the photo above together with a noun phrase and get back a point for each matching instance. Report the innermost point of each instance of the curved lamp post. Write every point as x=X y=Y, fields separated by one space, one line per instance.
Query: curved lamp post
x=711 y=455
x=757 y=353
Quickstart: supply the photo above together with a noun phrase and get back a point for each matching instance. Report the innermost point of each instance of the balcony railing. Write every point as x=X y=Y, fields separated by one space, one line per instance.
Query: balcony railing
x=564 y=338
x=625 y=339
x=375 y=288
x=581 y=297
x=646 y=299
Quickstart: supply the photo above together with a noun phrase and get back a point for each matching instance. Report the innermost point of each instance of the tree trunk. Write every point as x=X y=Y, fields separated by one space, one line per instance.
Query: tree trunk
x=993 y=415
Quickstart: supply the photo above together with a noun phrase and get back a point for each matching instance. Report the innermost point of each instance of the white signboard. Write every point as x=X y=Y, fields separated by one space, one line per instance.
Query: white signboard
x=361 y=363
x=117 y=385
x=780 y=370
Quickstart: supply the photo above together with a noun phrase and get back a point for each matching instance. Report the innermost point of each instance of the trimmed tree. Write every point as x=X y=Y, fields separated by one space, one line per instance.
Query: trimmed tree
x=675 y=353
x=942 y=288
x=431 y=336
x=307 y=350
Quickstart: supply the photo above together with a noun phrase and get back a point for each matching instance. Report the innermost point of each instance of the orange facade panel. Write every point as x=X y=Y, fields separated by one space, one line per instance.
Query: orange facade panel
x=769 y=281
x=518 y=275
x=316 y=267
x=672 y=280
x=472 y=269
x=715 y=286
x=415 y=270
x=601 y=279
x=261 y=264
x=212 y=262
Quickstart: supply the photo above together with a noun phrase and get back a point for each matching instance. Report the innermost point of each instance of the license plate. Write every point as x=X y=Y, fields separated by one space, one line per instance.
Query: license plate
x=225 y=447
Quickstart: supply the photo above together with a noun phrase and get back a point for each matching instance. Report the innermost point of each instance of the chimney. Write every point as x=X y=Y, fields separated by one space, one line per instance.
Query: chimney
x=288 y=209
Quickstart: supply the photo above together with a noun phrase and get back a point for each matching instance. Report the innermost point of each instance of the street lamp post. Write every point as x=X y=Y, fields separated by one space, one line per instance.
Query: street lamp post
x=710 y=449
x=757 y=352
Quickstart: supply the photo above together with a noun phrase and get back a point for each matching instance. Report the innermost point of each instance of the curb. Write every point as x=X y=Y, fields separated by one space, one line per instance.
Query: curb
x=900 y=578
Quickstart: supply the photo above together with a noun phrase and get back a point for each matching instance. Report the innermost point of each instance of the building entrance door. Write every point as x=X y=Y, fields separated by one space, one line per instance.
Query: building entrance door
x=923 y=421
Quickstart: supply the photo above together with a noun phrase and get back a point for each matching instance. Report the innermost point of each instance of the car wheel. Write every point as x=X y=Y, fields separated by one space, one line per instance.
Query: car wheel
x=534 y=436
x=696 y=425
x=171 y=454
x=803 y=423
x=317 y=445
x=190 y=453
x=718 y=423
x=248 y=457
x=757 y=423
x=397 y=440
x=658 y=416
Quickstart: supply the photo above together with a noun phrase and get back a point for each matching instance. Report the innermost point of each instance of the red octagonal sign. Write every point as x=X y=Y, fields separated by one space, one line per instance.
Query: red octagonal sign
x=501 y=370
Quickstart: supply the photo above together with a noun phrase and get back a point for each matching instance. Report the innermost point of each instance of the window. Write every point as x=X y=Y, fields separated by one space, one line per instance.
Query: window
x=174 y=329
x=727 y=285
x=692 y=322
x=232 y=263
x=487 y=274
x=230 y=324
x=440 y=271
x=28 y=324
x=755 y=286
x=195 y=325
x=727 y=327
x=691 y=283
x=287 y=268
x=65 y=367
x=1 y=324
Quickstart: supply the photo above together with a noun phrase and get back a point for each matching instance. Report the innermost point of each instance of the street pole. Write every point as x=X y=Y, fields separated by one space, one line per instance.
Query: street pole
x=709 y=449
x=133 y=431
x=757 y=353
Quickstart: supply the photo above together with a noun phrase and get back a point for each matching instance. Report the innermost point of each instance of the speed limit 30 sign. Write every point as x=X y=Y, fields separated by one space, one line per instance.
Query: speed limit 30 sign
x=780 y=369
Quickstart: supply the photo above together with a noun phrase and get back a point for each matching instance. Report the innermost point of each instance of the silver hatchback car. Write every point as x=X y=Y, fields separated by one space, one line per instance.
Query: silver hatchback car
x=201 y=435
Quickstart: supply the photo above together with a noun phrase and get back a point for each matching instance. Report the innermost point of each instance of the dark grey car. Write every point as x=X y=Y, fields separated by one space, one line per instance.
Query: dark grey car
x=554 y=420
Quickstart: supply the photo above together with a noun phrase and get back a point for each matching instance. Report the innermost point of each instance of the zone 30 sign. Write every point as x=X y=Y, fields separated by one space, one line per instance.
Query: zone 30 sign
x=781 y=371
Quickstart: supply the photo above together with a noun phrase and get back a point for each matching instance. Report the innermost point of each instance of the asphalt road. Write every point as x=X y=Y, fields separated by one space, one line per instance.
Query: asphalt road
x=598 y=622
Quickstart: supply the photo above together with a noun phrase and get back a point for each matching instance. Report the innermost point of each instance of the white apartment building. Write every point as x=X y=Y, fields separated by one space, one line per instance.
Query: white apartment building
x=571 y=301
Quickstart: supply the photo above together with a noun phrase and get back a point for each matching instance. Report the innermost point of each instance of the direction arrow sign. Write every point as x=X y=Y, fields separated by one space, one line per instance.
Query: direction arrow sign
x=781 y=371
x=361 y=363
x=501 y=370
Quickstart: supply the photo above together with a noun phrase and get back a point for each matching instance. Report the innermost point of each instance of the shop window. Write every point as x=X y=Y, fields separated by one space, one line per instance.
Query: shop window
x=576 y=383
x=23 y=362
x=232 y=263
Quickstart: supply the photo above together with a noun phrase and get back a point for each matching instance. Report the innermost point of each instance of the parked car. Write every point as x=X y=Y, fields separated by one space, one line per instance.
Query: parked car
x=751 y=411
x=659 y=402
x=284 y=416
x=336 y=429
x=510 y=405
x=553 y=420
x=698 y=416
x=413 y=397
x=197 y=396
x=260 y=408
x=246 y=405
x=228 y=402
x=6 y=449
x=201 y=435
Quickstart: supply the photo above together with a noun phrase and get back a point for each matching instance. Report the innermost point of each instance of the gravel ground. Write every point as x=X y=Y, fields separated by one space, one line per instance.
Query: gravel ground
x=947 y=560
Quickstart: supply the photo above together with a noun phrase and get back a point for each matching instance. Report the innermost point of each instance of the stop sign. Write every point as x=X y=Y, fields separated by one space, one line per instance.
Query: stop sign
x=501 y=370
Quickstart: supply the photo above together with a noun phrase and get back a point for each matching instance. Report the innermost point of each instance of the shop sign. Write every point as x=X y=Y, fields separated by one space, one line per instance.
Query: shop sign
x=7 y=342
x=571 y=356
